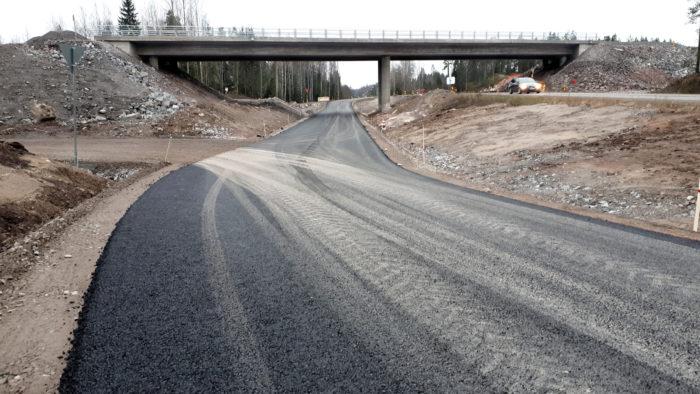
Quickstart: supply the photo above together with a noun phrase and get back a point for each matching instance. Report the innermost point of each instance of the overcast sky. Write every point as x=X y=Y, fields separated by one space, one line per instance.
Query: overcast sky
x=666 y=19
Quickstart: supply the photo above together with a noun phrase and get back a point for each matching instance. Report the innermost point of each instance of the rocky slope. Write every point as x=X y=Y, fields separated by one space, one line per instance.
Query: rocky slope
x=109 y=85
x=613 y=66
x=630 y=161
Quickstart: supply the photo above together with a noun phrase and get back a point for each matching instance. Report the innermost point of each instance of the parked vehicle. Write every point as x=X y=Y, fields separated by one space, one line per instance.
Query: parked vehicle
x=524 y=85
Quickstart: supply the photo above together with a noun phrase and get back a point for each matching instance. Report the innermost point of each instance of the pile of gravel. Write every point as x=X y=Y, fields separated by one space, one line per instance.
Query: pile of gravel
x=53 y=38
x=626 y=66
x=110 y=85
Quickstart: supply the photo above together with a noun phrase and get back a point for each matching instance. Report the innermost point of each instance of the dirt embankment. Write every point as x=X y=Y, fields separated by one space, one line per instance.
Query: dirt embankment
x=36 y=193
x=687 y=85
x=634 y=161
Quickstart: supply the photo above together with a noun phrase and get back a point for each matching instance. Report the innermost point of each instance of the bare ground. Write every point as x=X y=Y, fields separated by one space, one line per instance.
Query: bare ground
x=40 y=287
x=631 y=163
x=38 y=311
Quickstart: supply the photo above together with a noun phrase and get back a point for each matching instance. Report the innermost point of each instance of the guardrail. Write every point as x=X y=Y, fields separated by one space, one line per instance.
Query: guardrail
x=335 y=34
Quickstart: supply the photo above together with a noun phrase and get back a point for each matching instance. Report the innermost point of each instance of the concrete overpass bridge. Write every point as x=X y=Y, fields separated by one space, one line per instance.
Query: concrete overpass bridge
x=163 y=47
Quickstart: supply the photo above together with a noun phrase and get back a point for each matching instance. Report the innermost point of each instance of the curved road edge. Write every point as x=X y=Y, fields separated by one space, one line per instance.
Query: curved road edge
x=408 y=163
x=55 y=293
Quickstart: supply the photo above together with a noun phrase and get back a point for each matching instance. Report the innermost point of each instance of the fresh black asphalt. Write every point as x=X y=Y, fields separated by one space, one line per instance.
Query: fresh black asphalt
x=310 y=262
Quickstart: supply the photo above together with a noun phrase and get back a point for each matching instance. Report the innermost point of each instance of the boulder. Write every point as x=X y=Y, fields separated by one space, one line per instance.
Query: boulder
x=43 y=112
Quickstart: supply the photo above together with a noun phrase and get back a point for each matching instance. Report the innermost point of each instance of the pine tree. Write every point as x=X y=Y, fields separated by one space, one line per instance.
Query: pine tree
x=128 y=19
x=171 y=19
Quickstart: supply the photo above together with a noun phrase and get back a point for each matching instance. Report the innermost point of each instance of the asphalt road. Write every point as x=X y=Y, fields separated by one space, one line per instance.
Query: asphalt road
x=309 y=262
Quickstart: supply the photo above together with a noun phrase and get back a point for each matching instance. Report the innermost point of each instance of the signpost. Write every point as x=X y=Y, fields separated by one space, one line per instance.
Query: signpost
x=72 y=54
x=696 y=222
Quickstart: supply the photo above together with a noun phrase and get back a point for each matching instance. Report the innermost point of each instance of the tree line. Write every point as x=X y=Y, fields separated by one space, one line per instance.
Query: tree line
x=291 y=81
x=470 y=75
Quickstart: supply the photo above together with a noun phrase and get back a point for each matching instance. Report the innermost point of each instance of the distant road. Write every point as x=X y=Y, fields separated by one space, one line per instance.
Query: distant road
x=311 y=263
x=632 y=96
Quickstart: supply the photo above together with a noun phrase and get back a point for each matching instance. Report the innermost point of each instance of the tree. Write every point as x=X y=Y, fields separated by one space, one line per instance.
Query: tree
x=128 y=19
x=693 y=17
x=171 y=19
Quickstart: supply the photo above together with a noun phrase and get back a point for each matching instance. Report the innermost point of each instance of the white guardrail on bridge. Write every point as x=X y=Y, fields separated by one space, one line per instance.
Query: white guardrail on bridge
x=358 y=34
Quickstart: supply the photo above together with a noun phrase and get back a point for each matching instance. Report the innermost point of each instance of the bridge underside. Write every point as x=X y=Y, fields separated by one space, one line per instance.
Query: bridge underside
x=166 y=52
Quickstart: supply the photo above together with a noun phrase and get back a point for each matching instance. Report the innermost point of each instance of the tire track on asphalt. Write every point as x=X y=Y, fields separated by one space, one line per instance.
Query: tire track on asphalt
x=412 y=340
x=253 y=372
x=329 y=216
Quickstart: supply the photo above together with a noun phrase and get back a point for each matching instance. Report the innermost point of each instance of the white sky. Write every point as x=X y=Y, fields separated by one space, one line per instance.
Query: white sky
x=666 y=19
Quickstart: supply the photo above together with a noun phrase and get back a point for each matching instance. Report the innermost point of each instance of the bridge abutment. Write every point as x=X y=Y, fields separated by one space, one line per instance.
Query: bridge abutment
x=384 y=84
x=154 y=62
x=554 y=62
x=162 y=64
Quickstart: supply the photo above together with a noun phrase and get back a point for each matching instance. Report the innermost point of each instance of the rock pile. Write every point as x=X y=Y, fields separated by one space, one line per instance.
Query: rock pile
x=625 y=66
x=109 y=85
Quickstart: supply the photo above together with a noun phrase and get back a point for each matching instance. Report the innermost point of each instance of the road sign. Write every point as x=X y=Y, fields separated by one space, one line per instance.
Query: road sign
x=73 y=54
x=450 y=80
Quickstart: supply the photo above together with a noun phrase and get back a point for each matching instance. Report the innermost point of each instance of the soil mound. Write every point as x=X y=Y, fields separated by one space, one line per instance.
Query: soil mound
x=11 y=155
x=53 y=38
x=687 y=85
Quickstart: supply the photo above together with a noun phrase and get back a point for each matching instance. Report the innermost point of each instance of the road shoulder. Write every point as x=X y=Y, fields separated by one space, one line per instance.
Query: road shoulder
x=410 y=163
x=36 y=328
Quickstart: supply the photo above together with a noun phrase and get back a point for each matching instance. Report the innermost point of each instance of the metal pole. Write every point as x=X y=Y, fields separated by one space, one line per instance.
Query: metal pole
x=697 y=211
x=75 y=121
x=167 y=150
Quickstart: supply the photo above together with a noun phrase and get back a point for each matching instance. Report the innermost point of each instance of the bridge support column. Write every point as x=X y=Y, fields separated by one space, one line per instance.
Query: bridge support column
x=162 y=64
x=153 y=62
x=553 y=62
x=384 y=84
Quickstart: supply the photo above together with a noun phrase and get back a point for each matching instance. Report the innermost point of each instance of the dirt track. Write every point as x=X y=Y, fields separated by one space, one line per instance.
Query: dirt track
x=148 y=150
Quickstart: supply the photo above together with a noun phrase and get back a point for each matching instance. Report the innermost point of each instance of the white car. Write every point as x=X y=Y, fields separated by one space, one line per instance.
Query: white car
x=524 y=85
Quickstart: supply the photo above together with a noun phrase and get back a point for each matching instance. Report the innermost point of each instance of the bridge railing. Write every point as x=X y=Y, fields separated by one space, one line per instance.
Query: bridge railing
x=335 y=34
